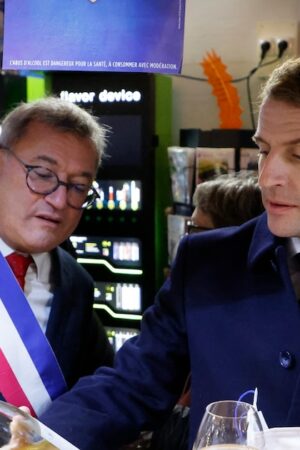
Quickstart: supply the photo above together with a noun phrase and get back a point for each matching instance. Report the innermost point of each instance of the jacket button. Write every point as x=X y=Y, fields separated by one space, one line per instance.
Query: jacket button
x=286 y=359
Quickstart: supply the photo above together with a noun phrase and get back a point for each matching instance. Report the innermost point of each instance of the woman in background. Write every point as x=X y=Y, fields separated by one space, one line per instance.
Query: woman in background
x=227 y=200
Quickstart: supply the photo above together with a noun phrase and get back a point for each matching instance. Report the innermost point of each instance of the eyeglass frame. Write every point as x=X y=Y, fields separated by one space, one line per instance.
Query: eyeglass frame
x=192 y=228
x=29 y=167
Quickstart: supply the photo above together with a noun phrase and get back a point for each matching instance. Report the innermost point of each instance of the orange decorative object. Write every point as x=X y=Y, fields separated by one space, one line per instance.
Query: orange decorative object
x=227 y=95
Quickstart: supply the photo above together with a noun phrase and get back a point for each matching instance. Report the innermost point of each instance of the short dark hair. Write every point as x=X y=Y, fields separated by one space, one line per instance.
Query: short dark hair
x=284 y=83
x=230 y=199
x=57 y=113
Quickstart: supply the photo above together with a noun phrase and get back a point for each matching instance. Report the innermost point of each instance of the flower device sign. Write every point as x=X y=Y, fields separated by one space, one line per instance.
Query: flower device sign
x=94 y=35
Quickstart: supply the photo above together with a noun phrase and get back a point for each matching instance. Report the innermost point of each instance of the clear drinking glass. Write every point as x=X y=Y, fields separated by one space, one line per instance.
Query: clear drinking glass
x=7 y=413
x=230 y=425
x=18 y=430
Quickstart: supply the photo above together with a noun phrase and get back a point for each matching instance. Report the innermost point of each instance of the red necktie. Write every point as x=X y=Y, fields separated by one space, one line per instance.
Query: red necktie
x=19 y=265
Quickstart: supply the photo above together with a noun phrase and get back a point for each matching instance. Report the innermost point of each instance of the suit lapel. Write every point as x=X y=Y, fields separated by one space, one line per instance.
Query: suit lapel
x=62 y=297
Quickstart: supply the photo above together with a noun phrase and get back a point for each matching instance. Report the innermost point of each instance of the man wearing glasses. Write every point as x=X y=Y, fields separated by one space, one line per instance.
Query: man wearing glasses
x=50 y=151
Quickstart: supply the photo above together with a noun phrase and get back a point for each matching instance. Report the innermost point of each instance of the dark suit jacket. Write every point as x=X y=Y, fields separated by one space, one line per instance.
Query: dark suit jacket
x=74 y=330
x=229 y=314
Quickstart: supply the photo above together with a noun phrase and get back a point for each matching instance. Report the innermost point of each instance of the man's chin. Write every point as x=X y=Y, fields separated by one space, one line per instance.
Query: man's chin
x=40 y=245
x=282 y=228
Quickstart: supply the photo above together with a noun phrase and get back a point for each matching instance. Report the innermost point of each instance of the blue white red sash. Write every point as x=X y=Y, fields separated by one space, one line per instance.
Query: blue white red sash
x=29 y=372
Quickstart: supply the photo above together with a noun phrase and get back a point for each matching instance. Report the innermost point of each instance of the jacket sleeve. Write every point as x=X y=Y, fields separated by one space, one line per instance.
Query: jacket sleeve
x=110 y=408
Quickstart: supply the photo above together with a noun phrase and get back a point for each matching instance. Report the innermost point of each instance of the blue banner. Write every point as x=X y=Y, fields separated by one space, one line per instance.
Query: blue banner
x=94 y=35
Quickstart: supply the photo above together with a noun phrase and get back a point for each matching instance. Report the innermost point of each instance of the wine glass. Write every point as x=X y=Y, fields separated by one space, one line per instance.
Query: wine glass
x=230 y=425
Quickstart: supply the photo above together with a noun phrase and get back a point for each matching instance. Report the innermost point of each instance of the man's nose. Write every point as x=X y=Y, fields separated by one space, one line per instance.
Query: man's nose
x=272 y=171
x=59 y=197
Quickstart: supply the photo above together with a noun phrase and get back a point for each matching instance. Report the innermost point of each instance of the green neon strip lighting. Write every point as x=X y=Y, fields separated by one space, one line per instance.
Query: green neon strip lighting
x=36 y=87
x=118 y=315
x=109 y=266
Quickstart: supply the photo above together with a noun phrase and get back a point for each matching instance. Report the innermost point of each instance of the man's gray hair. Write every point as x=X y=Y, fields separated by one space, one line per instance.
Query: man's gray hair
x=57 y=113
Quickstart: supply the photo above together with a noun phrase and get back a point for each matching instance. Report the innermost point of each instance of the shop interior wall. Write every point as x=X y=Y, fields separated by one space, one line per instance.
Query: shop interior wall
x=229 y=27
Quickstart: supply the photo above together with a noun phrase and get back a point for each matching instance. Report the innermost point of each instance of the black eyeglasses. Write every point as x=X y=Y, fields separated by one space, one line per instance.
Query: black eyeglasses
x=191 y=227
x=44 y=181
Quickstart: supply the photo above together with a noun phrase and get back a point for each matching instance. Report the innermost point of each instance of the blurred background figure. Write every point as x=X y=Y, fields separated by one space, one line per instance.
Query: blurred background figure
x=227 y=200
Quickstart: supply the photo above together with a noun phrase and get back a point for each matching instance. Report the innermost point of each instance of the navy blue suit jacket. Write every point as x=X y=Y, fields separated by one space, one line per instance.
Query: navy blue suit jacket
x=226 y=313
x=74 y=331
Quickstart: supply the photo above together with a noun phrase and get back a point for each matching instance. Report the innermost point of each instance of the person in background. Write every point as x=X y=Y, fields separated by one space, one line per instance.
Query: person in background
x=226 y=200
x=228 y=314
x=49 y=154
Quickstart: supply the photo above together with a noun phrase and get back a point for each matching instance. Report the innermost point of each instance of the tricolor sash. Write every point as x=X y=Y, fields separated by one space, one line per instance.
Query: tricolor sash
x=29 y=372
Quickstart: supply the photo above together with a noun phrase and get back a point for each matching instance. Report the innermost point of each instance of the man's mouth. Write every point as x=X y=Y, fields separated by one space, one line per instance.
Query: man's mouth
x=49 y=218
x=279 y=205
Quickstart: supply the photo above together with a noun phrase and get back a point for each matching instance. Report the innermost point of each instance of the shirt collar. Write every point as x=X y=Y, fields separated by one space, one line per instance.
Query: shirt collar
x=5 y=249
x=293 y=246
x=42 y=261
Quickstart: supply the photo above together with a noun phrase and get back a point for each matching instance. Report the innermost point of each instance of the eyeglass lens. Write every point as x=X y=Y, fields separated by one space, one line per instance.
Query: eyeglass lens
x=43 y=181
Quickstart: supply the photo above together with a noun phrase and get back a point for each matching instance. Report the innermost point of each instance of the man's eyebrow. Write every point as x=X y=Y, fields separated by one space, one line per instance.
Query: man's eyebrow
x=258 y=139
x=53 y=162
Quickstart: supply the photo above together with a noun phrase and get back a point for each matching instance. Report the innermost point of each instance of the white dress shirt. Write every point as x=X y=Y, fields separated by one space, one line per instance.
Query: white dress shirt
x=293 y=246
x=38 y=289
